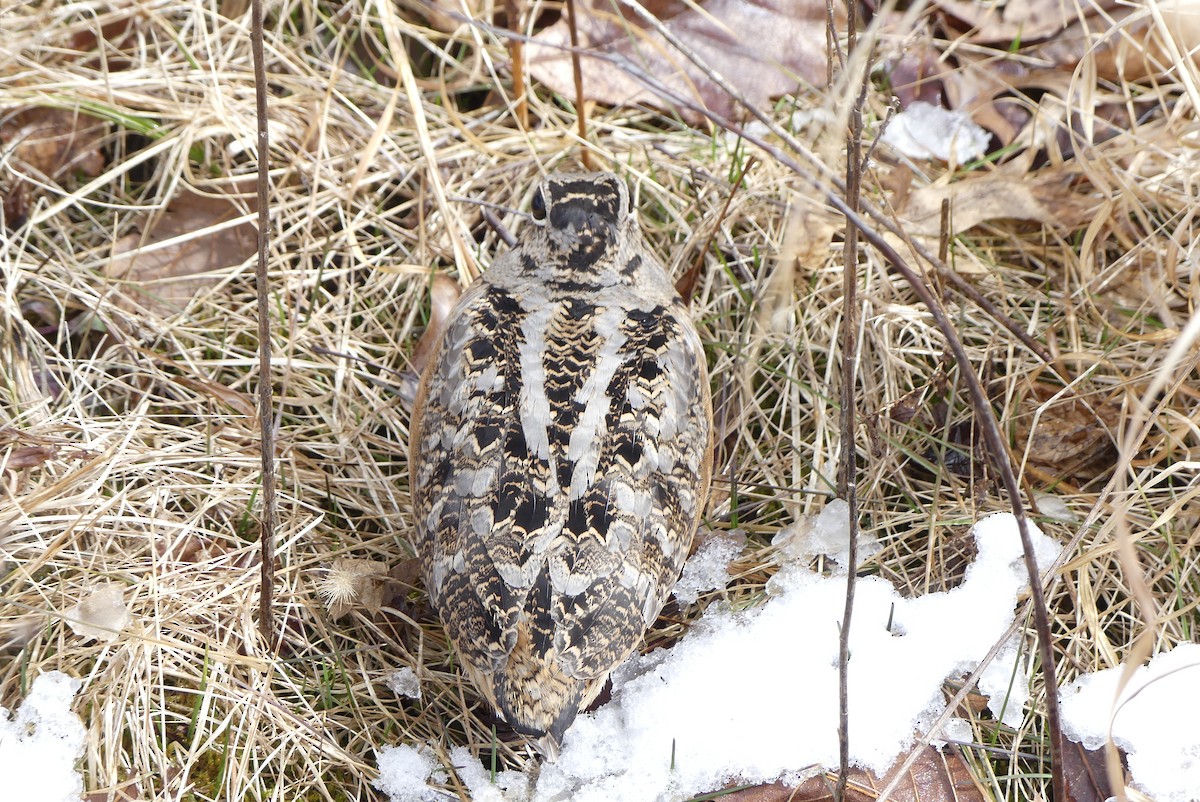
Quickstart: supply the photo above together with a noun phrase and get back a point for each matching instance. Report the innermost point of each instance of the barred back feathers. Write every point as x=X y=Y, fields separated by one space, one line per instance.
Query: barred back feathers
x=561 y=455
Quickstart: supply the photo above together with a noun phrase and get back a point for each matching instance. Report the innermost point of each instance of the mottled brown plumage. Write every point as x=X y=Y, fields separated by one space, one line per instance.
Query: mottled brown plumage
x=561 y=455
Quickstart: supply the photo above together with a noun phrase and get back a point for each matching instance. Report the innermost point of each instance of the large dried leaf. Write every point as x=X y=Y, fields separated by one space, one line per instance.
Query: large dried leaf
x=54 y=142
x=994 y=90
x=1047 y=198
x=1018 y=20
x=46 y=144
x=1085 y=774
x=934 y=777
x=1063 y=435
x=765 y=48
x=1128 y=43
x=444 y=293
x=176 y=257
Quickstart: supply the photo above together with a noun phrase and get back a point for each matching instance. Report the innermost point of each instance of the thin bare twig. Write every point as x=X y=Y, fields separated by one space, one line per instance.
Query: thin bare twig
x=996 y=445
x=577 y=72
x=266 y=424
x=516 y=50
x=944 y=230
x=848 y=339
x=496 y=225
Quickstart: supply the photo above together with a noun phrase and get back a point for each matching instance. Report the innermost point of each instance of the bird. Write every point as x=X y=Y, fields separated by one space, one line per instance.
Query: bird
x=560 y=456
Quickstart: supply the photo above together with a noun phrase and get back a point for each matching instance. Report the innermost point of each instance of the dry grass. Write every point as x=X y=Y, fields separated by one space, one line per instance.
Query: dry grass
x=140 y=395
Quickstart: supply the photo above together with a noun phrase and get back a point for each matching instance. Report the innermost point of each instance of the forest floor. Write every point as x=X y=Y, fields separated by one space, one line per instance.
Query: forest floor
x=128 y=339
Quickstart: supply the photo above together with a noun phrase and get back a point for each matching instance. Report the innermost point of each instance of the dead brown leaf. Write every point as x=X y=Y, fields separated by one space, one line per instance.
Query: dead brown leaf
x=407 y=572
x=173 y=260
x=20 y=449
x=1065 y=436
x=54 y=142
x=129 y=791
x=1085 y=773
x=1046 y=198
x=934 y=777
x=191 y=547
x=685 y=285
x=1127 y=44
x=917 y=73
x=904 y=409
x=1018 y=20
x=443 y=295
x=239 y=402
x=989 y=88
x=47 y=144
x=84 y=42
x=775 y=792
x=998 y=87
x=765 y=48
x=26 y=457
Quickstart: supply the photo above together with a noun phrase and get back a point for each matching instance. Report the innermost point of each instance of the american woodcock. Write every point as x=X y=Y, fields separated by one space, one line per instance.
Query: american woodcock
x=561 y=450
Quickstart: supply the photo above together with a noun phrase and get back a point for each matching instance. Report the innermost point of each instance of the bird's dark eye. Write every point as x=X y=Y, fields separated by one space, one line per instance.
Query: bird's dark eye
x=538 y=206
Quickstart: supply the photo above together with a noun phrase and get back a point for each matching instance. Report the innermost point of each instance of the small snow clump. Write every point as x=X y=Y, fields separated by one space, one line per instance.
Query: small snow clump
x=41 y=743
x=708 y=568
x=509 y=786
x=924 y=131
x=1154 y=721
x=405 y=771
x=1005 y=682
x=827 y=534
x=405 y=683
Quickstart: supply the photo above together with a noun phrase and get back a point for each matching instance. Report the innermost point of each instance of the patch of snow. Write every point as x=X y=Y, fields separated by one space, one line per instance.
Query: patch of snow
x=957 y=730
x=41 y=743
x=509 y=786
x=102 y=615
x=1154 y=721
x=924 y=131
x=1005 y=682
x=405 y=683
x=751 y=696
x=707 y=569
x=405 y=772
x=828 y=534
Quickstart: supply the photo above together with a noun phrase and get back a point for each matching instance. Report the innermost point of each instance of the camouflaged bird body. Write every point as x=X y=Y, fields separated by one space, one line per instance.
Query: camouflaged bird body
x=561 y=449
